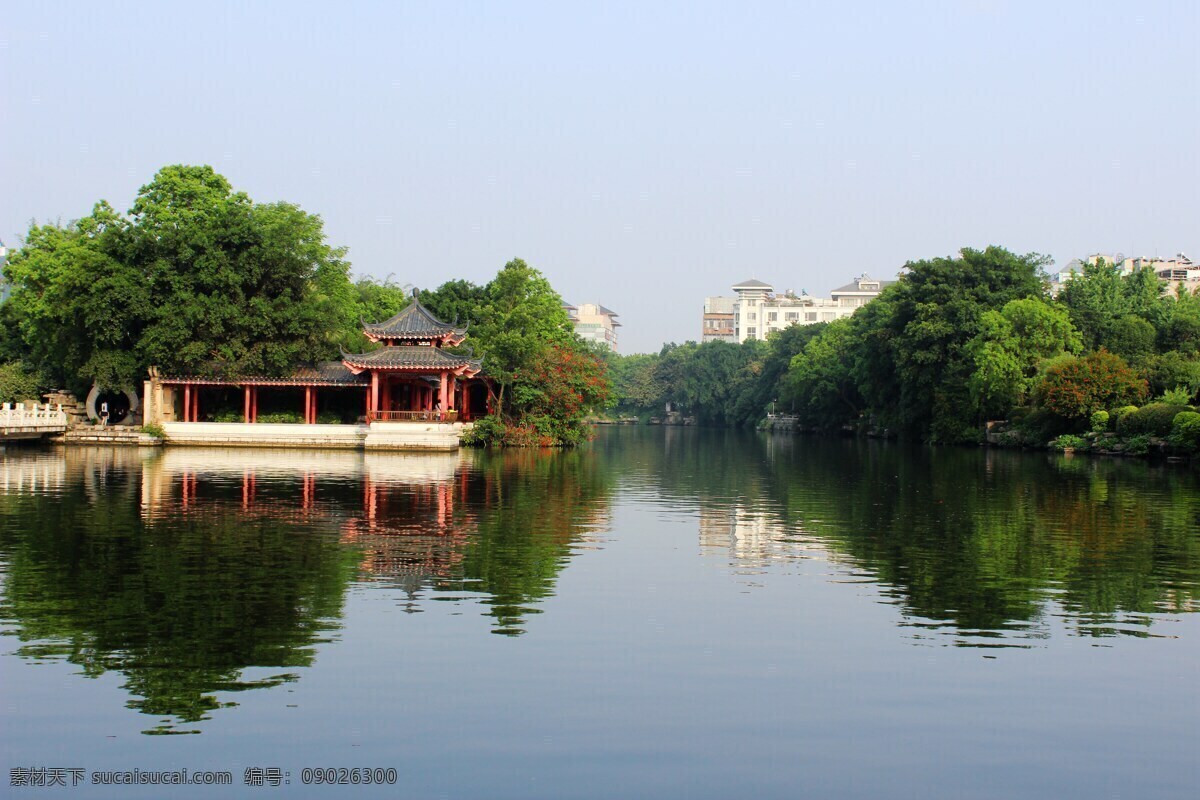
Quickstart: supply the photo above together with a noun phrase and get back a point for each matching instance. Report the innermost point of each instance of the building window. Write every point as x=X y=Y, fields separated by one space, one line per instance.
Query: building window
x=810 y=316
x=752 y=317
x=751 y=333
x=792 y=316
x=773 y=316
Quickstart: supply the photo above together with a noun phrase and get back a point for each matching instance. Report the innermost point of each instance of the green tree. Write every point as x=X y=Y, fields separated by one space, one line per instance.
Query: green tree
x=935 y=310
x=1011 y=346
x=820 y=382
x=198 y=279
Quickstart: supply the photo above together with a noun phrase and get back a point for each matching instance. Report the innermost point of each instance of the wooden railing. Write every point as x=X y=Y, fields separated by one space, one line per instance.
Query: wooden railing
x=412 y=416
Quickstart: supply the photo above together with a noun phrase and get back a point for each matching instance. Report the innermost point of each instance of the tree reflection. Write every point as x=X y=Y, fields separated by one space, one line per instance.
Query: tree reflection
x=181 y=605
x=983 y=543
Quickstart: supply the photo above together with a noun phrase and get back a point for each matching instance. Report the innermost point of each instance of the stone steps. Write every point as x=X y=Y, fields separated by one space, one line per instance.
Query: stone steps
x=91 y=435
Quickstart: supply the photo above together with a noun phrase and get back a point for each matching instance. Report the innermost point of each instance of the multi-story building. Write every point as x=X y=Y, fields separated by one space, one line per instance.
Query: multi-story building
x=1177 y=271
x=594 y=323
x=718 y=320
x=758 y=311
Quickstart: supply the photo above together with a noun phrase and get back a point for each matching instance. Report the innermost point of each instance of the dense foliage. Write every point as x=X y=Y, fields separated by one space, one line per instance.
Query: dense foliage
x=954 y=343
x=196 y=279
x=547 y=380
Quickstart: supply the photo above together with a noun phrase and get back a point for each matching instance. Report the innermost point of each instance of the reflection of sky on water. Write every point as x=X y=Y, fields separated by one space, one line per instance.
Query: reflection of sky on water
x=743 y=611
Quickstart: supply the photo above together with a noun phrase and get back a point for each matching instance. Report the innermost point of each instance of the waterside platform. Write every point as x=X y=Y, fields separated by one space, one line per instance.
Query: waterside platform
x=375 y=436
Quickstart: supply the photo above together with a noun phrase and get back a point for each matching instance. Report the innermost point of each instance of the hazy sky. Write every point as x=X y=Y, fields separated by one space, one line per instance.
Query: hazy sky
x=642 y=155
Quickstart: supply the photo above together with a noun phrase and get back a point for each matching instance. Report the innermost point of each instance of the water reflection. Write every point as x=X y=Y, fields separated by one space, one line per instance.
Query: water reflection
x=188 y=570
x=986 y=547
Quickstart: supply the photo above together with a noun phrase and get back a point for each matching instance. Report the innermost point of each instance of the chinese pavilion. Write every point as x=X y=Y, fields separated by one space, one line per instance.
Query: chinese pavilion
x=411 y=377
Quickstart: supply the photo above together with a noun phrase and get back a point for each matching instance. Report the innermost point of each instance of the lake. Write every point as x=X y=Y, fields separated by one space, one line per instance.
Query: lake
x=666 y=612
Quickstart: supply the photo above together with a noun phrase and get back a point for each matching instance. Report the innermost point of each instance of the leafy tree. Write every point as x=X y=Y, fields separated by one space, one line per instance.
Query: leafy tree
x=929 y=317
x=544 y=374
x=820 y=382
x=198 y=279
x=1011 y=345
x=18 y=383
x=635 y=389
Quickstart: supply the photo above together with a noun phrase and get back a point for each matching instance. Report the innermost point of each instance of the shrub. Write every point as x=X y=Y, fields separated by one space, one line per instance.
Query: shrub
x=292 y=417
x=1154 y=419
x=1118 y=414
x=1074 y=389
x=484 y=431
x=155 y=430
x=329 y=418
x=1042 y=425
x=1069 y=441
x=1185 y=431
x=1179 y=396
x=229 y=416
x=1099 y=422
x=1138 y=445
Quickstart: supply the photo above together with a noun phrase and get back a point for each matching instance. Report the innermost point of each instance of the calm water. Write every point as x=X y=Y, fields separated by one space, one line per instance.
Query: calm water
x=665 y=613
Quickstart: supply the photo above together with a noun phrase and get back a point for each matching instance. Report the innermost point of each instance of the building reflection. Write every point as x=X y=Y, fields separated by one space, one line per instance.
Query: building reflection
x=754 y=537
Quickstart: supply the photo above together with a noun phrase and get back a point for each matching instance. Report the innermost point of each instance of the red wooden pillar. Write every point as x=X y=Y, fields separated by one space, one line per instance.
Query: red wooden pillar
x=387 y=392
x=466 y=402
x=314 y=405
x=374 y=404
x=187 y=402
x=307 y=405
x=196 y=405
x=254 y=404
x=441 y=401
x=451 y=388
x=246 y=404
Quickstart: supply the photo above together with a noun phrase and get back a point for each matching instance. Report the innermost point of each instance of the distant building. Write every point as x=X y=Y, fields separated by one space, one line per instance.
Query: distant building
x=594 y=323
x=718 y=320
x=1177 y=271
x=5 y=286
x=758 y=311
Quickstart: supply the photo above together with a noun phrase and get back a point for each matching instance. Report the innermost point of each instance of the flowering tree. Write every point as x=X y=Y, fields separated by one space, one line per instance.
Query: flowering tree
x=1077 y=387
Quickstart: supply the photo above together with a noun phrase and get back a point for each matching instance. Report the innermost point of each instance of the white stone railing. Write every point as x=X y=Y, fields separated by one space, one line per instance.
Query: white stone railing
x=44 y=418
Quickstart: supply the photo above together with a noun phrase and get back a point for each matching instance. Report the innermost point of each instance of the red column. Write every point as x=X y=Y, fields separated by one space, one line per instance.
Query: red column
x=254 y=404
x=374 y=404
x=387 y=392
x=442 y=394
x=451 y=387
x=187 y=402
x=196 y=405
x=308 y=405
x=246 y=404
x=466 y=401
x=314 y=405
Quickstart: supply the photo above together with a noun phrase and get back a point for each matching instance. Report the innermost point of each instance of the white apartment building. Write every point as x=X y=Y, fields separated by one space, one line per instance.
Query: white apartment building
x=594 y=323
x=758 y=311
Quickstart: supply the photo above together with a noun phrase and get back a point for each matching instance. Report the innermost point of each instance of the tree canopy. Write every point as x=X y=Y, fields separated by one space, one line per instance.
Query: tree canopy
x=196 y=279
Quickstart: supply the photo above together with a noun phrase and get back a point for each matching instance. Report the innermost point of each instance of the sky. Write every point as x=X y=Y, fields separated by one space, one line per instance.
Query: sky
x=641 y=155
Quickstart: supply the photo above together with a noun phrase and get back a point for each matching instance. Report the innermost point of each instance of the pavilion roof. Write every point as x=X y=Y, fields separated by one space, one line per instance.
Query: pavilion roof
x=413 y=322
x=410 y=358
x=324 y=373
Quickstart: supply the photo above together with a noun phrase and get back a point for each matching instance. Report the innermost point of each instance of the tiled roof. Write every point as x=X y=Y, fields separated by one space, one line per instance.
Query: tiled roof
x=413 y=357
x=853 y=286
x=324 y=373
x=753 y=284
x=414 y=322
